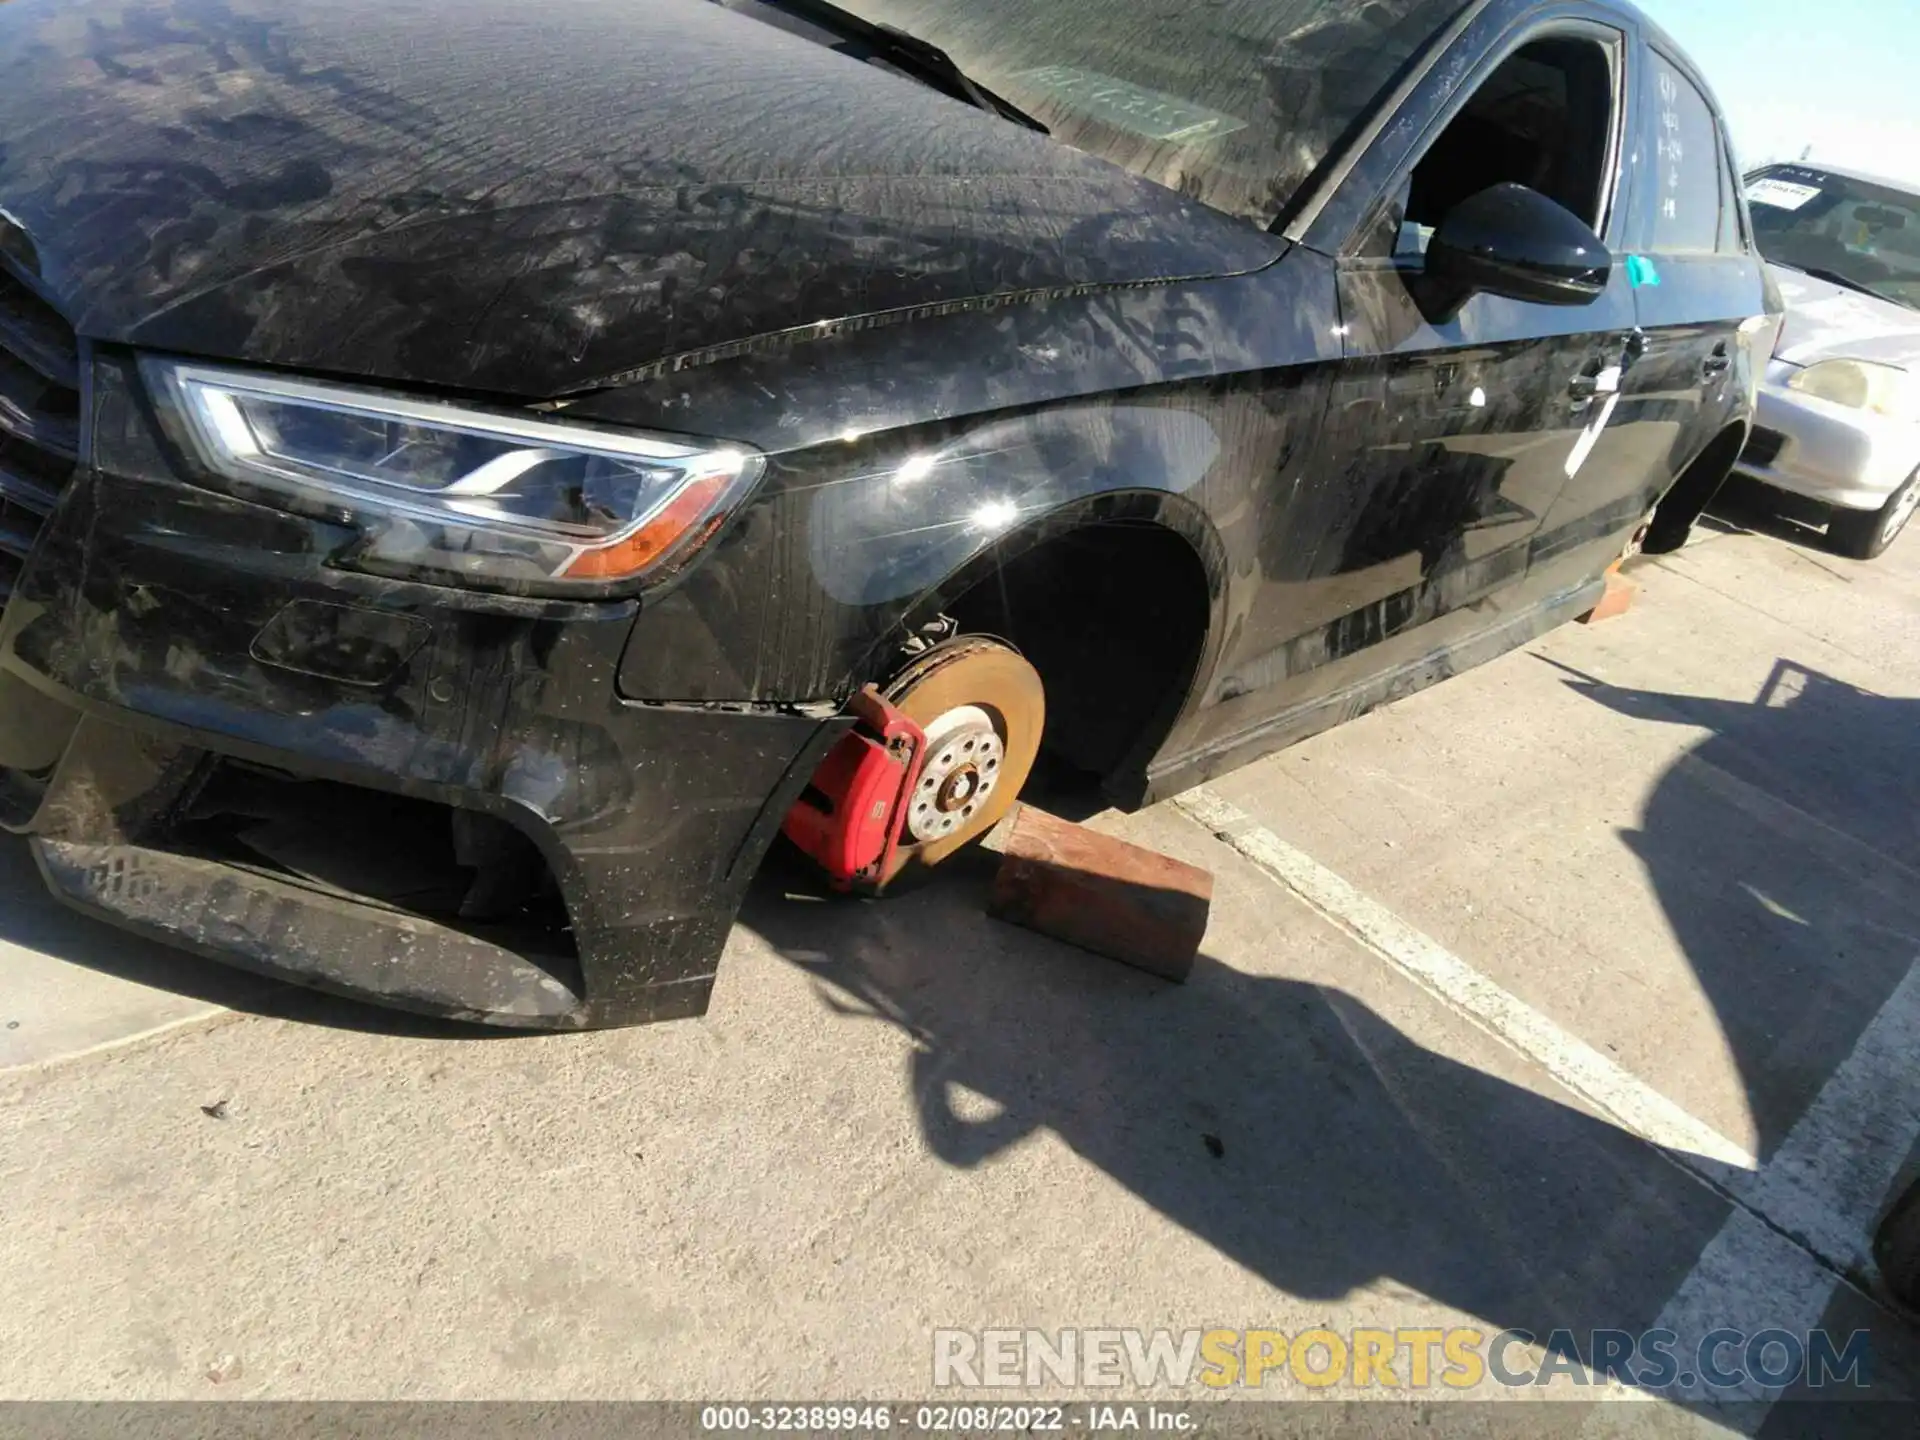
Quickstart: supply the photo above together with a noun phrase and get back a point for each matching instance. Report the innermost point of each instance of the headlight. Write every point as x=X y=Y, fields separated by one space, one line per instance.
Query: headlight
x=446 y=492
x=1861 y=385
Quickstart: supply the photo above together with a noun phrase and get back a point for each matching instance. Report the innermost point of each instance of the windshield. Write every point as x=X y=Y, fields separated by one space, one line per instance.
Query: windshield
x=1853 y=231
x=1234 y=102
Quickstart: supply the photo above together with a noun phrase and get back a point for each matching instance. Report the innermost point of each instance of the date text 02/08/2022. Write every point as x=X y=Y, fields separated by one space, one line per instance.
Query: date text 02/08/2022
x=945 y=1419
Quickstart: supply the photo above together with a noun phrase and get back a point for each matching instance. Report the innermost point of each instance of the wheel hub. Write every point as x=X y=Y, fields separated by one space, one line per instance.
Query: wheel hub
x=982 y=709
x=964 y=756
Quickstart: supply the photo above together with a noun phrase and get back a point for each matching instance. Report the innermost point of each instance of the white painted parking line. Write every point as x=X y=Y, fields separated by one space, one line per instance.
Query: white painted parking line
x=1824 y=1187
x=1827 y=1182
x=1797 y=1224
x=1603 y=1083
x=1751 y=1279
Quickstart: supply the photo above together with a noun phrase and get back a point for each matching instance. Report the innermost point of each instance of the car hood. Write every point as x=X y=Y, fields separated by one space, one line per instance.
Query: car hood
x=1830 y=322
x=528 y=200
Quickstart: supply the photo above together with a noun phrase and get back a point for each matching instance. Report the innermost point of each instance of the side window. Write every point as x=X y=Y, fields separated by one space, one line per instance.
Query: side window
x=1543 y=118
x=1681 y=187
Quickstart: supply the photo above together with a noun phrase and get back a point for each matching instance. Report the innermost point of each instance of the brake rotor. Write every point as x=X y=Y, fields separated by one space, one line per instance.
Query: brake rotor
x=982 y=708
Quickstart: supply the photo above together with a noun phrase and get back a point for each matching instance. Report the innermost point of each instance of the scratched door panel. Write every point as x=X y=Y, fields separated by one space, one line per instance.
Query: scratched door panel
x=1452 y=428
x=1695 y=284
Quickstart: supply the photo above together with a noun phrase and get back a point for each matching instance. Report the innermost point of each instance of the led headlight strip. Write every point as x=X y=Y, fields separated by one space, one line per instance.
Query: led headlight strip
x=445 y=491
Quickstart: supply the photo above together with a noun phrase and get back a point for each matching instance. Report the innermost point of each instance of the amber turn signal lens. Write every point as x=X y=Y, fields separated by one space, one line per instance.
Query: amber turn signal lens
x=653 y=540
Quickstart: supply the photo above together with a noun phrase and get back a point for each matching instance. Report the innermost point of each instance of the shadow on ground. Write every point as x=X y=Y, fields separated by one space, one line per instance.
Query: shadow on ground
x=1785 y=850
x=1746 y=507
x=1287 y=1125
x=1301 y=1134
x=1297 y=1132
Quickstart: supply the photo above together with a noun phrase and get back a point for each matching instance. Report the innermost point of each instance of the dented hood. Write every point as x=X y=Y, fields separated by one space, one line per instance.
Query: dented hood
x=525 y=199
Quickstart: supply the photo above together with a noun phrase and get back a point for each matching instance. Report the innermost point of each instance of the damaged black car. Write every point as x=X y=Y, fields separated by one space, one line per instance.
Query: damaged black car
x=472 y=477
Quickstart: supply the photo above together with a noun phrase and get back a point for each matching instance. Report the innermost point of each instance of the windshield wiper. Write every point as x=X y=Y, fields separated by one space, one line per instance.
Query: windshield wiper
x=1834 y=277
x=920 y=58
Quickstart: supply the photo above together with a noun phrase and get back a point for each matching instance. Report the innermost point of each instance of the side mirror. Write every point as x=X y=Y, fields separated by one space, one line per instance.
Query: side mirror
x=1516 y=243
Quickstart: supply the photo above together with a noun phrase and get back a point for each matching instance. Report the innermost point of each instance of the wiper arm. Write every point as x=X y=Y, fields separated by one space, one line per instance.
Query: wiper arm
x=920 y=58
x=928 y=59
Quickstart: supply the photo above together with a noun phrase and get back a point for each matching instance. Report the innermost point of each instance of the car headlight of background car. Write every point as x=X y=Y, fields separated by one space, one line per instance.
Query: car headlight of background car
x=443 y=492
x=1861 y=385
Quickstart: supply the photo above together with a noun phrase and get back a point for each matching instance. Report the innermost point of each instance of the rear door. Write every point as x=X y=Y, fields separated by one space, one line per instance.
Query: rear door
x=1696 y=284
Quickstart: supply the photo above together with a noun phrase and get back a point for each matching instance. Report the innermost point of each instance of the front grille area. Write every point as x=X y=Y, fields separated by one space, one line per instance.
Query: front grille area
x=39 y=420
x=1763 y=448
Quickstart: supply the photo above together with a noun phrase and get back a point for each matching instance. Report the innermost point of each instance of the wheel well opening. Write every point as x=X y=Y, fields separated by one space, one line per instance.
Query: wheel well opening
x=1694 y=491
x=1114 y=617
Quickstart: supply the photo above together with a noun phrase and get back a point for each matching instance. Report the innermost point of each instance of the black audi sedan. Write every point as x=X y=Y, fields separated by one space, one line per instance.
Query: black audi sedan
x=459 y=463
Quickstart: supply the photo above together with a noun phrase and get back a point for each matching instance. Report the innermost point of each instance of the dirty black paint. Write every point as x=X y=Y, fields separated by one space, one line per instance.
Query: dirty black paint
x=527 y=204
x=953 y=338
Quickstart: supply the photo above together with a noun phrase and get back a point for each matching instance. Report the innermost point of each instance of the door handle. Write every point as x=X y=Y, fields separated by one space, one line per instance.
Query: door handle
x=1718 y=363
x=1597 y=379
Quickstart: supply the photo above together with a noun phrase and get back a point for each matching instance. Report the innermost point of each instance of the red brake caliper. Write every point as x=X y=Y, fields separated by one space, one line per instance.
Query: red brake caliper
x=848 y=820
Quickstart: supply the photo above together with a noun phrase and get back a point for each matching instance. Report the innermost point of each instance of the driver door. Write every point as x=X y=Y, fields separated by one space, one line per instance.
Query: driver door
x=1458 y=435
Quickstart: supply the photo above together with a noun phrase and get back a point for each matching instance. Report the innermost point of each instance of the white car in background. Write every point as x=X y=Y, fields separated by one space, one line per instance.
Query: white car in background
x=1839 y=410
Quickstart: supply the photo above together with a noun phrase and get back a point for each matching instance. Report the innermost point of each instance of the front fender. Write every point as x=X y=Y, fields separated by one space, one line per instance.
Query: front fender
x=900 y=457
x=815 y=589
x=894 y=534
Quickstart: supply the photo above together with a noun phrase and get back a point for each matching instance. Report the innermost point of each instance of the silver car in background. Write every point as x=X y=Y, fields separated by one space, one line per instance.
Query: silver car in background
x=1839 y=410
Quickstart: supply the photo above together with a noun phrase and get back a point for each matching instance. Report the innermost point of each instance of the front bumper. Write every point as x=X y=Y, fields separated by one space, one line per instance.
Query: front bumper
x=1852 y=459
x=163 y=634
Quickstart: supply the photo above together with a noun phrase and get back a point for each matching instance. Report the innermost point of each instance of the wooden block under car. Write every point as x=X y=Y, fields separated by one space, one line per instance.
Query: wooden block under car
x=1118 y=900
x=1617 y=601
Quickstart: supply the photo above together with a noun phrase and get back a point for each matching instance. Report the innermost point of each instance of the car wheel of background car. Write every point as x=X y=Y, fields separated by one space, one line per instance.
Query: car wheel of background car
x=982 y=707
x=1866 y=534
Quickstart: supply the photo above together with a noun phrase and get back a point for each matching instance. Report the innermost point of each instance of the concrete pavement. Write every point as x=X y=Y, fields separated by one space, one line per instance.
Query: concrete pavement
x=1684 y=841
